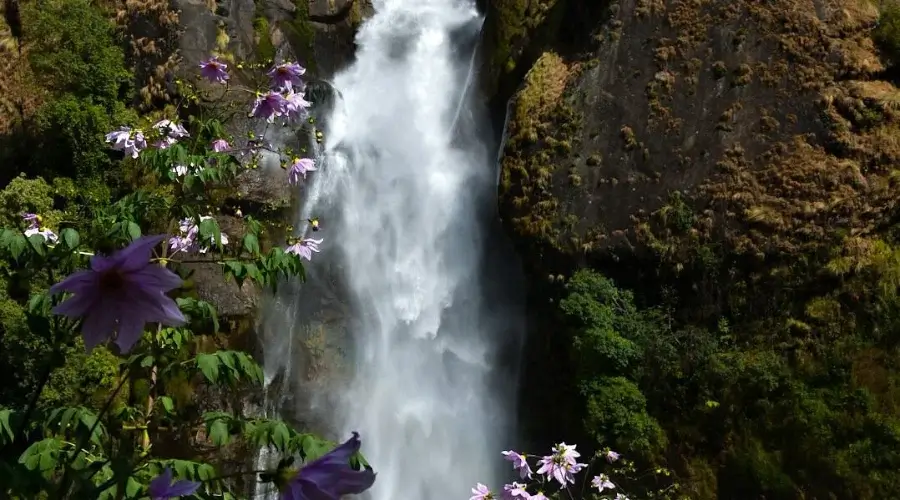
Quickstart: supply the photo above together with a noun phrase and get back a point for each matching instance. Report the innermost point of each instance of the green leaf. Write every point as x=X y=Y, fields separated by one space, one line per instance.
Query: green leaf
x=218 y=433
x=71 y=238
x=17 y=245
x=7 y=434
x=167 y=404
x=209 y=230
x=251 y=244
x=134 y=231
x=209 y=365
x=38 y=243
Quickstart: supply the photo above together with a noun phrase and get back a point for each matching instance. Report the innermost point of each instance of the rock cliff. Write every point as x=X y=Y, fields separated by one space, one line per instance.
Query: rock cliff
x=740 y=153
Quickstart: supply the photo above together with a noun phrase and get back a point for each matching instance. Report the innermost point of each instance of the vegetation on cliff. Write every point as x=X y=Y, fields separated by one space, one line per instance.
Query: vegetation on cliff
x=733 y=165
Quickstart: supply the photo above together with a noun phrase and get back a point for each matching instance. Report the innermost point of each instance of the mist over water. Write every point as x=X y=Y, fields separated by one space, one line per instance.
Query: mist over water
x=407 y=194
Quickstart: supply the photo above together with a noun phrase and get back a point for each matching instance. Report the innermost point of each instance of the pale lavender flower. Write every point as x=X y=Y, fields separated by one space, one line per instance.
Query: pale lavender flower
x=268 y=106
x=48 y=235
x=567 y=452
x=186 y=241
x=287 y=76
x=162 y=488
x=602 y=482
x=538 y=496
x=305 y=248
x=120 y=294
x=481 y=492
x=611 y=456
x=620 y=496
x=164 y=143
x=33 y=220
x=561 y=465
x=330 y=477
x=118 y=138
x=220 y=145
x=214 y=70
x=519 y=463
x=171 y=129
x=133 y=147
x=514 y=491
x=300 y=167
x=297 y=107
x=127 y=140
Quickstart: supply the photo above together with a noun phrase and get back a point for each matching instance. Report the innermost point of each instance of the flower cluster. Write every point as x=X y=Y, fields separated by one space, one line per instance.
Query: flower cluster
x=186 y=241
x=559 y=467
x=34 y=227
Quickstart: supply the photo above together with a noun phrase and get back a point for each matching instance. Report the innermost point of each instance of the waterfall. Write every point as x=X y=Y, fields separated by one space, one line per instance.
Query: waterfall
x=407 y=200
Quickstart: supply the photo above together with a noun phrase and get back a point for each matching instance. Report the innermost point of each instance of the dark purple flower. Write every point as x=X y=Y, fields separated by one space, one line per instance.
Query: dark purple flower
x=120 y=294
x=162 y=488
x=269 y=105
x=287 y=76
x=330 y=477
x=214 y=70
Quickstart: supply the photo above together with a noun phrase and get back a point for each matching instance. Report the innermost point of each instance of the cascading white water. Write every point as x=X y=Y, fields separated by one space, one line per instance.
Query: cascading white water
x=402 y=195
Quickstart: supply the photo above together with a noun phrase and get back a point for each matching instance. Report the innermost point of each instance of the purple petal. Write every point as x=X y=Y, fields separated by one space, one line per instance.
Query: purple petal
x=137 y=254
x=77 y=305
x=160 y=485
x=131 y=328
x=183 y=488
x=98 y=327
x=156 y=278
x=76 y=282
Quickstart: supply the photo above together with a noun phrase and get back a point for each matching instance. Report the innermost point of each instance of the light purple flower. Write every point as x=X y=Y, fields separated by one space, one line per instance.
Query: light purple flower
x=330 y=477
x=514 y=491
x=300 y=167
x=132 y=142
x=164 y=143
x=118 y=137
x=268 y=106
x=33 y=220
x=519 y=463
x=602 y=482
x=48 y=235
x=287 y=76
x=297 y=107
x=538 y=496
x=171 y=129
x=611 y=456
x=481 y=492
x=120 y=294
x=162 y=488
x=620 y=496
x=305 y=248
x=186 y=241
x=561 y=465
x=220 y=145
x=214 y=70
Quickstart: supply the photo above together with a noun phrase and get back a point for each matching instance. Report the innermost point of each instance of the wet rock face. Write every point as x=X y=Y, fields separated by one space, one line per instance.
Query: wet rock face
x=724 y=121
